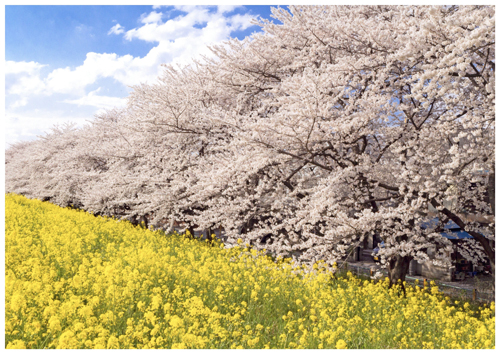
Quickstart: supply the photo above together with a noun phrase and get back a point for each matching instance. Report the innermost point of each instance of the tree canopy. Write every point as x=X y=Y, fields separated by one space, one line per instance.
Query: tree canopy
x=333 y=124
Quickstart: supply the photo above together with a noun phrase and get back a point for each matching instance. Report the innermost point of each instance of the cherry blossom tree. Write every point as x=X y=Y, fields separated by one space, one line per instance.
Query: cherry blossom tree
x=333 y=124
x=393 y=110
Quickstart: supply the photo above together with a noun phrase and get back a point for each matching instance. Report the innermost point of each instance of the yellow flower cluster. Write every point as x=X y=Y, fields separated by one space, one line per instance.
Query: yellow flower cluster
x=78 y=281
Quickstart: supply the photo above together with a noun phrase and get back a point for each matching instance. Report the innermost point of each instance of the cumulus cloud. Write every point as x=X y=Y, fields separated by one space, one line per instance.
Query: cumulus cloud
x=153 y=17
x=18 y=67
x=226 y=8
x=177 y=41
x=95 y=66
x=116 y=29
x=23 y=78
x=182 y=27
x=25 y=84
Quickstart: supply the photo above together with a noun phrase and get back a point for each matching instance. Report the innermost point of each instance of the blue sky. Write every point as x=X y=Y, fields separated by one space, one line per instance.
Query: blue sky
x=66 y=63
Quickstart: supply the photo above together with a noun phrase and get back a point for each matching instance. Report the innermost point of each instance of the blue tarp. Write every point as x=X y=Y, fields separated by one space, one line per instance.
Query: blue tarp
x=454 y=229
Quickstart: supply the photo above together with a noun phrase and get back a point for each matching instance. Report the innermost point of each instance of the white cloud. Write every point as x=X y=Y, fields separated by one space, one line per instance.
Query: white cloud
x=226 y=8
x=116 y=29
x=153 y=17
x=23 y=78
x=19 y=103
x=177 y=41
x=25 y=85
x=95 y=66
x=182 y=27
x=189 y=8
x=102 y=102
x=240 y=22
x=17 y=67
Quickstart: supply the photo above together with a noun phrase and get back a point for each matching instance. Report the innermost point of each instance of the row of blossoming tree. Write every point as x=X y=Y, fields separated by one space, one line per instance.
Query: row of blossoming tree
x=332 y=124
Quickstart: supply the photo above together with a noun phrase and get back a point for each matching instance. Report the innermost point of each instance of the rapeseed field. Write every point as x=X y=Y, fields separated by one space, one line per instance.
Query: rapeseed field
x=73 y=280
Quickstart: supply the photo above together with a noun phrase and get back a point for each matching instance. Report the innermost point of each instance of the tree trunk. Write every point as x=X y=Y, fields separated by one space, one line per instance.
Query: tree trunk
x=398 y=268
x=491 y=191
x=191 y=231
x=133 y=220
x=209 y=235
x=492 y=264
x=491 y=197
x=143 y=221
x=171 y=227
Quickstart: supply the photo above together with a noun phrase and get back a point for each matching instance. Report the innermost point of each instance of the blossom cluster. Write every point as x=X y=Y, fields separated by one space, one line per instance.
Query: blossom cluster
x=74 y=280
